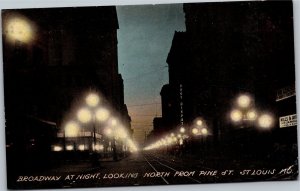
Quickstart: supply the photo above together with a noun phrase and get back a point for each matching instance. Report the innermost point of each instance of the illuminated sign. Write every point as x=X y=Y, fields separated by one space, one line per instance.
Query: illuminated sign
x=181 y=104
x=288 y=121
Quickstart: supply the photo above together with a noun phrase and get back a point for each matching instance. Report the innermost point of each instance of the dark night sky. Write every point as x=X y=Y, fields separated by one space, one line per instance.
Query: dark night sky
x=144 y=40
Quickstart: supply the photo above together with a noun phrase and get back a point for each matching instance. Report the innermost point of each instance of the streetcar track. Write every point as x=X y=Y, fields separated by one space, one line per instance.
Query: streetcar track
x=156 y=170
x=171 y=169
x=177 y=163
x=177 y=170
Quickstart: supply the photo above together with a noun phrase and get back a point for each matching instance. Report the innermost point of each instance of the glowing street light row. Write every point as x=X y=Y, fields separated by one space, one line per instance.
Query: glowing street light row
x=171 y=139
x=244 y=112
x=199 y=128
x=86 y=115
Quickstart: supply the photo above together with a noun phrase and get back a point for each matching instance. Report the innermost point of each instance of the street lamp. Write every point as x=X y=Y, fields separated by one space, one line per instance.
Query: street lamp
x=204 y=131
x=102 y=114
x=195 y=131
x=199 y=127
x=199 y=122
x=92 y=100
x=251 y=115
x=244 y=101
x=19 y=28
x=245 y=112
x=71 y=129
x=182 y=130
x=265 y=121
x=86 y=115
x=236 y=115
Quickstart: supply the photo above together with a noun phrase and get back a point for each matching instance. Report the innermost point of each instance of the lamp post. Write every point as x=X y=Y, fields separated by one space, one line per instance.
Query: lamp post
x=199 y=132
x=90 y=114
x=244 y=110
x=199 y=128
x=246 y=114
x=92 y=101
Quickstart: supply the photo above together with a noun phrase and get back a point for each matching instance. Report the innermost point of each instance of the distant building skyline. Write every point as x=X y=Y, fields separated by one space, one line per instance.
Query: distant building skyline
x=144 y=40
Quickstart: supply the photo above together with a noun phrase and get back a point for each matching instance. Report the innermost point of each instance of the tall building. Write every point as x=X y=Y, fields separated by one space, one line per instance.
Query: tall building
x=70 y=52
x=228 y=49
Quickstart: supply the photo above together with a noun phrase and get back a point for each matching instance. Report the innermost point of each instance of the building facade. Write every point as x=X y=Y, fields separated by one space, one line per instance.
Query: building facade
x=228 y=49
x=71 y=52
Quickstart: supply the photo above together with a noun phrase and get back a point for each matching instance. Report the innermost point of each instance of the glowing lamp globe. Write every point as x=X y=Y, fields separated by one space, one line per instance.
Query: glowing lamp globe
x=236 y=115
x=92 y=100
x=204 y=131
x=19 y=28
x=84 y=115
x=265 y=121
x=195 y=131
x=71 y=129
x=251 y=115
x=199 y=122
x=244 y=101
x=102 y=114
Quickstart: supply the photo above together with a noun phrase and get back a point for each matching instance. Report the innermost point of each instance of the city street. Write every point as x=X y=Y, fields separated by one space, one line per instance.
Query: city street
x=185 y=93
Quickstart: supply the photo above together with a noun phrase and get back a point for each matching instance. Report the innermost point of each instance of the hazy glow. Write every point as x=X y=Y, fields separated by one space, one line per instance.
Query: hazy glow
x=69 y=147
x=108 y=131
x=120 y=132
x=132 y=146
x=181 y=142
x=84 y=115
x=81 y=147
x=57 y=148
x=244 y=101
x=195 y=131
x=19 y=29
x=71 y=129
x=265 y=121
x=204 y=131
x=163 y=142
x=182 y=130
x=92 y=100
x=199 y=122
x=251 y=115
x=114 y=122
x=169 y=140
x=236 y=115
x=102 y=114
x=99 y=147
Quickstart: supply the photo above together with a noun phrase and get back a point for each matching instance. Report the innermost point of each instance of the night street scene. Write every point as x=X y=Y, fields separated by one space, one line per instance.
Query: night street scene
x=149 y=94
